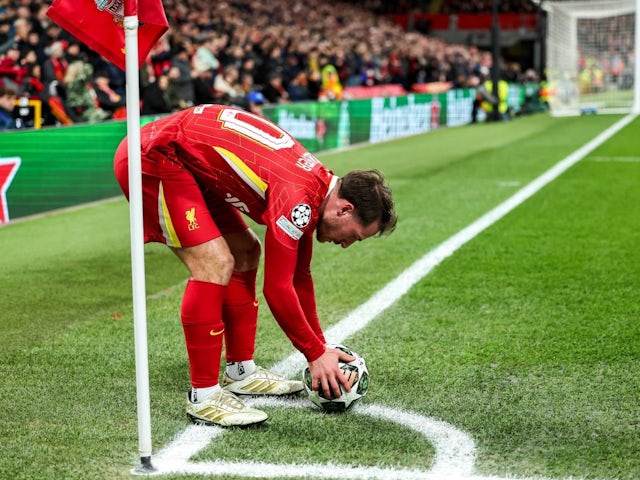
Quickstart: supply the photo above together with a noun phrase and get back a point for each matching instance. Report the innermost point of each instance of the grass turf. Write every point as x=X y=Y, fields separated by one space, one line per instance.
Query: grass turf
x=527 y=338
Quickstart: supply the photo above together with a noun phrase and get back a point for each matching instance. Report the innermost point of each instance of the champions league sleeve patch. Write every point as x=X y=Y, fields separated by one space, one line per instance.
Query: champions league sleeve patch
x=300 y=218
x=289 y=228
x=301 y=215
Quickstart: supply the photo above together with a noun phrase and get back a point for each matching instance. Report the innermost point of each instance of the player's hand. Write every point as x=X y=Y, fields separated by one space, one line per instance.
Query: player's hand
x=326 y=373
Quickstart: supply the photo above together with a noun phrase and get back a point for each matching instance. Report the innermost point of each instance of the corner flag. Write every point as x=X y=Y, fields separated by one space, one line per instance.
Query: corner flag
x=99 y=24
x=124 y=31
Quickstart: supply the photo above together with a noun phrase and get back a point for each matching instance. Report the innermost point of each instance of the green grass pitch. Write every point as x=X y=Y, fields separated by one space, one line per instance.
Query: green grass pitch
x=527 y=338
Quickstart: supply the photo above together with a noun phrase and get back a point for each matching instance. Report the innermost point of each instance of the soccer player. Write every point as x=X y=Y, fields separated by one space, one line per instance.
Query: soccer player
x=202 y=168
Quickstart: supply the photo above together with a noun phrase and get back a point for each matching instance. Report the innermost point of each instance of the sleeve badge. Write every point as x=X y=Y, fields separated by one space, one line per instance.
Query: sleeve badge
x=301 y=215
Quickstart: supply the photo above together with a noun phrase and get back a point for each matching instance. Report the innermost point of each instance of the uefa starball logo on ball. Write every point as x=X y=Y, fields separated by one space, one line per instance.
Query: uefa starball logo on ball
x=358 y=375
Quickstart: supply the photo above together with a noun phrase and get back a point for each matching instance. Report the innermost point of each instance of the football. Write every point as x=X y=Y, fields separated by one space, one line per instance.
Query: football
x=358 y=375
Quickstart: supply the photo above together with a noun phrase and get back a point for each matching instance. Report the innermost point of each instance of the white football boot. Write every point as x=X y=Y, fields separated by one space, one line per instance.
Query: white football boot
x=224 y=409
x=262 y=382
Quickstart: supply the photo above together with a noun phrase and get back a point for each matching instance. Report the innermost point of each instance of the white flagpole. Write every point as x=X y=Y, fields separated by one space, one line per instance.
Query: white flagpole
x=137 y=240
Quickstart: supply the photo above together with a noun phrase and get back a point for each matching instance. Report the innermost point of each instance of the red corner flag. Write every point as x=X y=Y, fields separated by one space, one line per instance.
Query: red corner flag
x=99 y=24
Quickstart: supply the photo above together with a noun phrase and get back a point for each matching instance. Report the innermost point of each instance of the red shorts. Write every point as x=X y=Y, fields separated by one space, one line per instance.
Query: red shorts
x=175 y=210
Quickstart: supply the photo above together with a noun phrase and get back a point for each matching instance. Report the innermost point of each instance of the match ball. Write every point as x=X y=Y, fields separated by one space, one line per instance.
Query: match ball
x=358 y=375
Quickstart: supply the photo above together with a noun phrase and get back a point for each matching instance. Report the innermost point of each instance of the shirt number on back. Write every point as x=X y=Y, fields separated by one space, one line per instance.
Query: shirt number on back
x=256 y=128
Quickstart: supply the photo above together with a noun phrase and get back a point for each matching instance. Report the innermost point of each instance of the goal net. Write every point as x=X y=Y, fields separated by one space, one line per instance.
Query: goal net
x=592 y=56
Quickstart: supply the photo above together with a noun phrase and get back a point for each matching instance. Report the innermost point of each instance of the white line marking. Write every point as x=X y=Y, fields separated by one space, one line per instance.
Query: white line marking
x=509 y=183
x=615 y=159
x=455 y=450
x=62 y=210
x=175 y=457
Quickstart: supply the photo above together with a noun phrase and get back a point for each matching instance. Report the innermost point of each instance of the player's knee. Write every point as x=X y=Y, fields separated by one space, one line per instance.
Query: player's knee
x=216 y=269
x=224 y=263
x=246 y=249
x=208 y=262
x=254 y=250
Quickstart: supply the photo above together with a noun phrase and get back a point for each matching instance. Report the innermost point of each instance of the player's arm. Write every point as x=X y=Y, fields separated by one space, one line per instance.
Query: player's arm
x=279 y=270
x=280 y=267
x=303 y=284
x=323 y=369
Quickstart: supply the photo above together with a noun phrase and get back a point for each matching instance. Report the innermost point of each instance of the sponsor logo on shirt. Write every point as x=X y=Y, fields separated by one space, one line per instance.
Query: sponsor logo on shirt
x=289 y=228
x=236 y=202
x=301 y=215
x=307 y=162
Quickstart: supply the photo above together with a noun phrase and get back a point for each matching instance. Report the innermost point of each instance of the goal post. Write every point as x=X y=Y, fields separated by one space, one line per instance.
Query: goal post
x=592 y=56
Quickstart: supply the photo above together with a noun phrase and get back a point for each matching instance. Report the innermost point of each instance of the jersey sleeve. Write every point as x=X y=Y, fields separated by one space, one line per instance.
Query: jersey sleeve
x=303 y=284
x=281 y=265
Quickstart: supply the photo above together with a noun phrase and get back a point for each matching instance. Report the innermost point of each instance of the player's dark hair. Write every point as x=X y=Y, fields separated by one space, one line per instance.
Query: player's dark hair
x=371 y=197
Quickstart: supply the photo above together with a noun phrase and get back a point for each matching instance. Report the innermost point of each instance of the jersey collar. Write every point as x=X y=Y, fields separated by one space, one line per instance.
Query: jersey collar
x=332 y=184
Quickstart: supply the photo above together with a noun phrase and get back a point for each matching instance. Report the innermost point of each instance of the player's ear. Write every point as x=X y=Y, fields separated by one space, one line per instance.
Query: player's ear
x=345 y=208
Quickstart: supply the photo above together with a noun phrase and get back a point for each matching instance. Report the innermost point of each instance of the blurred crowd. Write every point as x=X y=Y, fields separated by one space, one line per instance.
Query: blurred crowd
x=446 y=6
x=486 y=6
x=243 y=52
x=607 y=53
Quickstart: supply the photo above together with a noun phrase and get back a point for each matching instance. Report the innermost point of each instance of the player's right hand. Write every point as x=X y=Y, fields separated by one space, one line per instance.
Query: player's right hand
x=326 y=373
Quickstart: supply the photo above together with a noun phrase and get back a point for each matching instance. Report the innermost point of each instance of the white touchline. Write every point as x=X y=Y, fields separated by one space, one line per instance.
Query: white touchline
x=453 y=464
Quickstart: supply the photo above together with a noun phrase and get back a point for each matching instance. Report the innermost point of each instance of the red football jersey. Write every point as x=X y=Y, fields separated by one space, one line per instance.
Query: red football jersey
x=257 y=167
x=249 y=162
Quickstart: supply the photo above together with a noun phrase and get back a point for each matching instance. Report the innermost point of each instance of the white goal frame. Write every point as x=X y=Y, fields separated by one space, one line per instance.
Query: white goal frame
x=565 y=74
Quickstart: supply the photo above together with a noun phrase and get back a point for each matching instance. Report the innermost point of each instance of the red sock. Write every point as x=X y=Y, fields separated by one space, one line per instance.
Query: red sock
x=201 y=315
x=240 y=315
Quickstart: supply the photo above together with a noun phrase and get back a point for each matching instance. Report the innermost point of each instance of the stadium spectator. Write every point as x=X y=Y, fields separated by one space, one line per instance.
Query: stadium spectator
x=184 y=80
x=206 y=55
x=226 y=85
x=298 y=88
x=273 y=64
x=331 y=88
x=35 y=47
x=176 y=100
x=204 y=190
x=108 y=99
x=248 y=69
x=247 y=83
x=255 y=100
x=55 y=67
x=7 y=106
x=117 y=77
x=20 y=39
x=203 y=87
x=32 y=85
x=11 y=72
x=33 y=88
x=53 y=72
x=73 y=52
x=80 y=97
x=274 y=91
x=156 y=98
